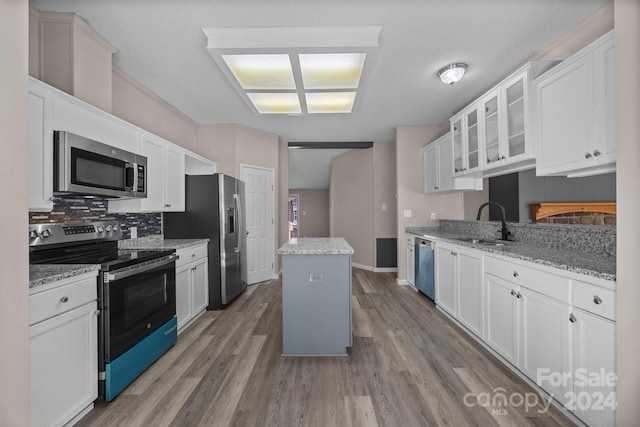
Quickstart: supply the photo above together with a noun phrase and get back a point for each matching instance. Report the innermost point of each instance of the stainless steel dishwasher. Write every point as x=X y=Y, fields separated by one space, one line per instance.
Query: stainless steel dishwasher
x=425 y=280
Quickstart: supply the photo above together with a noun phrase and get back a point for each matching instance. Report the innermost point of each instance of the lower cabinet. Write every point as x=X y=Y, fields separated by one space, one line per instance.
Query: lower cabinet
x=192 y=284
x=557 y=328
x=63 y=352
x=411 y=261
x=459 y=289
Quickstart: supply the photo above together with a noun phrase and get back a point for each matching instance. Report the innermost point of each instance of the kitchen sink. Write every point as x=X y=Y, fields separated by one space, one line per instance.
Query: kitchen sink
x=479 y=241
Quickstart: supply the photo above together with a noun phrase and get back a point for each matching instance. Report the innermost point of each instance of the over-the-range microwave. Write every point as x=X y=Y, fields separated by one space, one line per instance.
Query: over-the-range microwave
x=85 y=168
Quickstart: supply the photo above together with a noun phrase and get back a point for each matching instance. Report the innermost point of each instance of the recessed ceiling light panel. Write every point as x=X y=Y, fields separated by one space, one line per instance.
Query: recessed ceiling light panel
x=330 y=102
x=275 y=103
x=254 y=72
x=331 y=70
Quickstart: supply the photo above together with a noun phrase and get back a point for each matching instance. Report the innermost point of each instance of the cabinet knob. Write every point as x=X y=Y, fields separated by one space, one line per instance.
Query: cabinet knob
x=96 y=313
x=518 y=295
x=572 y=318
x=488 y=160
x=516 y=274
x=597 y=300
x=513 y=292
x=587 y=155
x=64 y=299
x=436 y=188
x=596 y=153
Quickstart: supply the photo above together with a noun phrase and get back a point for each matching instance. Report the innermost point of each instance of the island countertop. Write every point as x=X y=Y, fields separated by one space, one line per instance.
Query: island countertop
x=316 y=246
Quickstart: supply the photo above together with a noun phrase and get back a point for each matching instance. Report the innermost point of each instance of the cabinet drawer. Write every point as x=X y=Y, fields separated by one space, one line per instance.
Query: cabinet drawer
x=191 y=254
x=540 y=281
x=47 y=304
x=594 y=299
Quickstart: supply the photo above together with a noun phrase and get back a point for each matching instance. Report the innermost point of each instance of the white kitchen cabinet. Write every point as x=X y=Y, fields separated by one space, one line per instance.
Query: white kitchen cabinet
x=575 y=113
x=40 y=129
x=174 y=179
x=466 y=134
x=411 y=260
x=459 y=285
x=438 y=169
x=594 y=356
x=63 y=351
x=528 y=320
x=192 y=284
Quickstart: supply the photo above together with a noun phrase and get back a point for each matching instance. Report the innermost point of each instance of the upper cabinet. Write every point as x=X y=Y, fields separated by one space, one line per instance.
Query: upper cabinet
x=492 y=136
x=575 y=113
x=438 y=168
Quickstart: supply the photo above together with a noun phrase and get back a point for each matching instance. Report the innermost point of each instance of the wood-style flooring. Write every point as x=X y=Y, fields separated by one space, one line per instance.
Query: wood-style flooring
x=409 y=366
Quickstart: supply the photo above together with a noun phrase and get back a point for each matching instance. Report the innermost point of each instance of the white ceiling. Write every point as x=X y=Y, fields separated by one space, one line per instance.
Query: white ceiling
x=161 y=44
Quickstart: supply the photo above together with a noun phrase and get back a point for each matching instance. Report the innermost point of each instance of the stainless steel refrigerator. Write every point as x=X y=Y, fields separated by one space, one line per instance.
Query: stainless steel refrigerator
x=215 y=209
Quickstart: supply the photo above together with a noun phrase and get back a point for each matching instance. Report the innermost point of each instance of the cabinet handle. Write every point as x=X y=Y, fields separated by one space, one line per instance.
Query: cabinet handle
x=518 y=295
x=454 y=253
x=596 y=153
x=96 y=313
x=597 y=300
x=516 y=274
x=488 y=160
x=503 y=157
x=436 y=188
x=513 y=292
x=572 y=318
x=456 y=170
x=587 y=155
x=64 y=299
x=193 y=255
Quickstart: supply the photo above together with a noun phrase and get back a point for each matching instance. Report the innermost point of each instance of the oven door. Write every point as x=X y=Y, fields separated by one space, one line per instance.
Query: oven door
x=135 y=301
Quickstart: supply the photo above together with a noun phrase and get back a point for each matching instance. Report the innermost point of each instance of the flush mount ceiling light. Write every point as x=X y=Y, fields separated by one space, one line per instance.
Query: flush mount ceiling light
x=295 y=70
x=452 y=73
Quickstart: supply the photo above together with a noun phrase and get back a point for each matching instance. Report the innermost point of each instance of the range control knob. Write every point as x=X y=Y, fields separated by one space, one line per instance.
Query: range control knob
x=46 y=233
x=100 y=229
x=108 y=229
x=115 y=228
x=33 y=234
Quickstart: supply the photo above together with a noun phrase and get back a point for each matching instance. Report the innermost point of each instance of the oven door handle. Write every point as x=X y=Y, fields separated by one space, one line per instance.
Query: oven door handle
x=124 y=273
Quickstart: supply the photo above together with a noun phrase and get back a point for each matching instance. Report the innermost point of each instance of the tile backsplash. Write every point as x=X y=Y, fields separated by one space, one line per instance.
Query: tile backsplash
x=86 y=210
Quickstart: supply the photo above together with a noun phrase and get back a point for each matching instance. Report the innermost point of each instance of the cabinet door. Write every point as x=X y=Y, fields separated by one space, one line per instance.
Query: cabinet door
x=200 y=285
x=565 y=117
x=184 y=309
x=594 y=343
x=445 y=278
x=174 y=184
x=154 y=150
x=502 y=317
x=64 y=366
x=491 y=120
x=40 y=149
x=411 y=264
x=458 y=152
x=604 y=76
x=470 y=292
x=544 y=341
x=472 y=143
x=430 y=162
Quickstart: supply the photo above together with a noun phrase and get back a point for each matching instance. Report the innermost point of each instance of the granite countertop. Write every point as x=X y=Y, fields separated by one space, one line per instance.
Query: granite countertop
x=316 y=246
x=41 y=274
x=160 y=243
x=587 y=263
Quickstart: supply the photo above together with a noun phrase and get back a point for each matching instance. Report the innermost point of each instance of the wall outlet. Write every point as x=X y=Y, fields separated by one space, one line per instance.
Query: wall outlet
x=407 y=213
x=433 y=215
x=134 y=232
x=384 y=206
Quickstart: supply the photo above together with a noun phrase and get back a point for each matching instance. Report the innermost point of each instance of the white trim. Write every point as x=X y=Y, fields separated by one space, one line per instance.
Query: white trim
x=385 y=270
x=402 y=282
x=362 y=267
x=273 y=208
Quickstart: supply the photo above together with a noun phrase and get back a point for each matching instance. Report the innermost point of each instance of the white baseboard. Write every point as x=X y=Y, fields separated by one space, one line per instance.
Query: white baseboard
x=385 y=270
x=402 y=282
x=362 y=266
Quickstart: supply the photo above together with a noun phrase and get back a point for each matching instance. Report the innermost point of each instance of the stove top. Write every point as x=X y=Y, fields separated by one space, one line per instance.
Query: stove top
x=85 y=243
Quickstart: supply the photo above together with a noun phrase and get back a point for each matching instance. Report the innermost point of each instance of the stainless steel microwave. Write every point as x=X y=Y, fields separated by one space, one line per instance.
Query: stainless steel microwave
x=84 y=168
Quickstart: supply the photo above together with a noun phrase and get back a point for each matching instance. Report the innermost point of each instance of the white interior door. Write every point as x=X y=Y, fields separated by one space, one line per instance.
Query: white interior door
x=259 y=199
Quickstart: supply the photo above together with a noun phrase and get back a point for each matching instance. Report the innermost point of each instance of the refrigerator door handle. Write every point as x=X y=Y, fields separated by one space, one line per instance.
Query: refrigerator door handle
x=239 y=226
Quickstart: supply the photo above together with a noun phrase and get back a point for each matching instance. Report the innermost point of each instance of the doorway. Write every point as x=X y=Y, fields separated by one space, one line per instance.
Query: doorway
x=294 y=226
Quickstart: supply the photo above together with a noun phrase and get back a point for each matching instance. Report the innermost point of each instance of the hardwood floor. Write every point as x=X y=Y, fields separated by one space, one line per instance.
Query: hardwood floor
x=409 y=366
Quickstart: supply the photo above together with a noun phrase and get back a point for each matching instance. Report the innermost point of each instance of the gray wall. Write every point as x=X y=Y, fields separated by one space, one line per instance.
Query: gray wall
x=537 y=189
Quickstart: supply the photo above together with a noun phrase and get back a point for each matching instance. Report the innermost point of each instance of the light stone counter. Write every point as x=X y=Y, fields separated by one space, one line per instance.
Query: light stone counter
x=316 y=246
x=158 y=242
x=42 y=274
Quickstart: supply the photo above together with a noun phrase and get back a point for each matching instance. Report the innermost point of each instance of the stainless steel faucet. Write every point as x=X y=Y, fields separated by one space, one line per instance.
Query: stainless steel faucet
x=503 y=231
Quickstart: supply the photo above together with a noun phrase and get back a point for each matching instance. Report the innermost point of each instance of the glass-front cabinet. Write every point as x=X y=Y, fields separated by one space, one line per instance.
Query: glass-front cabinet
x=465 y=131
x=458 y=153
x=492 y=127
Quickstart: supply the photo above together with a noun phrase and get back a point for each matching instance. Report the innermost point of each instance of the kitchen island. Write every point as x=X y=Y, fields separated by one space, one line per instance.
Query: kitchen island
x=316 y=297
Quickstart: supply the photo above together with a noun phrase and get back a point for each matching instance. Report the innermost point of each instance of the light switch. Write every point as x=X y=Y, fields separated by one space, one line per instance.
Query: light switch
x=433 y=215
x=384 y=206
x=407 y=213
x=134 y=232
